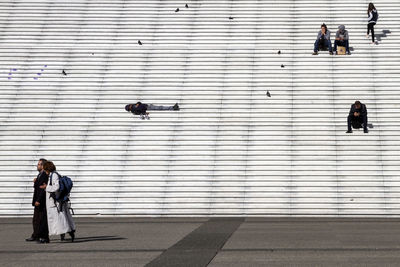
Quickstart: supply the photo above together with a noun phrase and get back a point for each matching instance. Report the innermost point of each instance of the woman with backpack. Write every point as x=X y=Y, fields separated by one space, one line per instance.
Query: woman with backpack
x=59 y=217
x=372 y=19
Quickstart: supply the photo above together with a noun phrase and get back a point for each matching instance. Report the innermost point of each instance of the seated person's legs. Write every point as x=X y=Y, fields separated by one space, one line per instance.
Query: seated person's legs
x=349 y=120
x=316 y=45
x=335 y=45
x=328 y=44
x=365 y=123
x=346 y=44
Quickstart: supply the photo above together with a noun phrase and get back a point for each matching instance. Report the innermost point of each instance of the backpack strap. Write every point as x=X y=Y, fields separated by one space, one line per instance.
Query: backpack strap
x=51 y=177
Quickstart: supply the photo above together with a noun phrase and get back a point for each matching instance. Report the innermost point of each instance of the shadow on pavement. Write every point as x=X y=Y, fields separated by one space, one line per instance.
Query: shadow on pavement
x=91 y=239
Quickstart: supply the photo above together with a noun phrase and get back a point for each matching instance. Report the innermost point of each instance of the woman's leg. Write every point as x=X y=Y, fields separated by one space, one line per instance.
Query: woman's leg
x=373 y=32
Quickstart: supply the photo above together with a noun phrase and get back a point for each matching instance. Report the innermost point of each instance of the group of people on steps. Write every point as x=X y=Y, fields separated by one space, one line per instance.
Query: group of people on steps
x=342 y=35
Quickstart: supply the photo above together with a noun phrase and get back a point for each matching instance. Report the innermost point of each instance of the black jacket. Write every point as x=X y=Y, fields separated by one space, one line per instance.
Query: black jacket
x=362 y=110
x=141 y=109
x=39 y=194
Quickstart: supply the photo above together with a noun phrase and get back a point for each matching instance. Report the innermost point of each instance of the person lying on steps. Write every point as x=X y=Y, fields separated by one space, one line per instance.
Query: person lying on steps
x=141 y=109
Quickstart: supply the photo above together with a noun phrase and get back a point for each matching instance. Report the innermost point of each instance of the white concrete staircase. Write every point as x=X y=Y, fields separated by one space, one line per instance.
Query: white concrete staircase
x=231 y=150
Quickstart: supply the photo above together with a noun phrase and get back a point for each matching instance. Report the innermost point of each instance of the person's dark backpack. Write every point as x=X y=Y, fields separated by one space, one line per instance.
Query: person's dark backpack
x=65 y=187
x=375 y=16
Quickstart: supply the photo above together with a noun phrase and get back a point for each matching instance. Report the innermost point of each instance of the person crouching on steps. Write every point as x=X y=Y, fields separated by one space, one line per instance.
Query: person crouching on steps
x=141 y=109
x=59 y=217
x=323 y=40
x=358 y=117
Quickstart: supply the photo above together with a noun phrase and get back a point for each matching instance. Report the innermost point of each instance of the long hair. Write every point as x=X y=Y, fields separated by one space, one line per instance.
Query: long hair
x=326 y=27
x=370 y=7
x=49 y=166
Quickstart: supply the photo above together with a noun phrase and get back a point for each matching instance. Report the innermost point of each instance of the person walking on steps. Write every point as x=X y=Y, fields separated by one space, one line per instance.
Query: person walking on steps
x=58 y=215
x=141 y=109
x=357 y=117
x=323 y=40
x=39 y=221
x=372 y=19
x=342 y=39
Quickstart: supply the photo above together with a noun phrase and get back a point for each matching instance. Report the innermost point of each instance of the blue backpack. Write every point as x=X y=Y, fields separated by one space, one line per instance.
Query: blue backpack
x=65 y=187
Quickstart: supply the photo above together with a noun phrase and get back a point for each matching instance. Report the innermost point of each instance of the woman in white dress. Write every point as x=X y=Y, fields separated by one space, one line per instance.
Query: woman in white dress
x=58 y=216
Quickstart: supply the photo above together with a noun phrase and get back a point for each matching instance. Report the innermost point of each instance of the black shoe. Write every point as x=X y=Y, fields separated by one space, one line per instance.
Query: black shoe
x=43 y=241
x=315 y=53
x=348 y=53
x=330 y=53
x=30 y=239
x=72 y=234
x=349 y=131
x=176 y=106
x=62 y=236
x=365 y=130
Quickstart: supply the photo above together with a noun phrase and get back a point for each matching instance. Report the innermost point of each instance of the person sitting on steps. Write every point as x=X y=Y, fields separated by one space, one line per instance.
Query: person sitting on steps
x=323 y=40
x=141 y=109
x=357 y=117
x=342 y=39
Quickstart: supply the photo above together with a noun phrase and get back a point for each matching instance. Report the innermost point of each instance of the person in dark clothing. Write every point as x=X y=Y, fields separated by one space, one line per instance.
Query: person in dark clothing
x=358 y=117
x=323 y=40
x=141 y=109
x=342 y=39
x=372 y=19
x=39 y=221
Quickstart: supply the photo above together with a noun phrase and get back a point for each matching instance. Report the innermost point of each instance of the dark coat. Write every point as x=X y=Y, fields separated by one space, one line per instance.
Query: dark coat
x=140 y=109
x=363 y=110
x=39 y=194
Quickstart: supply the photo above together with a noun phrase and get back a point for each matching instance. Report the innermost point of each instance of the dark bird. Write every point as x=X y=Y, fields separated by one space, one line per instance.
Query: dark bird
x=186 y=5
x=282 y=66
x=139 y=42
x=177 y=10
x=268 y=94
x=279 y=52
x=230 y=17
x=63 y=72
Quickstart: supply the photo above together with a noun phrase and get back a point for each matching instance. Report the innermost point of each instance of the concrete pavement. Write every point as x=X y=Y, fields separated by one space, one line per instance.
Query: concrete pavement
x=212 y=242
